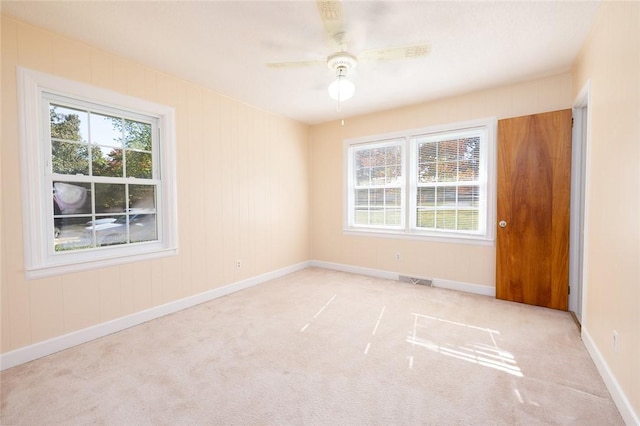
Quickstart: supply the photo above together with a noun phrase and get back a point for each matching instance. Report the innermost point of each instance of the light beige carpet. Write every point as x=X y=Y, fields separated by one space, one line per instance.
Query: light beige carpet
x=323 y=347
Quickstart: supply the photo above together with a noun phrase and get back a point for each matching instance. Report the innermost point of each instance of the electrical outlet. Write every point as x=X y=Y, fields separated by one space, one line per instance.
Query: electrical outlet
x=616 y=341
x=238 y=264
x=397 y=256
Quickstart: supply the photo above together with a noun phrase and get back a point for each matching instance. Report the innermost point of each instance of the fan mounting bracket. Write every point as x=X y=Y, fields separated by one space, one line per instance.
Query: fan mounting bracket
x=342 y=61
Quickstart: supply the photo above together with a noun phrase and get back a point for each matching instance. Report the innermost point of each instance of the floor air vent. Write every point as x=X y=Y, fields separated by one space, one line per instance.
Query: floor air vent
x=413 y=280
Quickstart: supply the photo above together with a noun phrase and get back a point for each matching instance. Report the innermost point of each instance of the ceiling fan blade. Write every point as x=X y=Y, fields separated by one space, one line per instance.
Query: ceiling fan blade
x=400 y=52
x=332 y=16
x=294 y=64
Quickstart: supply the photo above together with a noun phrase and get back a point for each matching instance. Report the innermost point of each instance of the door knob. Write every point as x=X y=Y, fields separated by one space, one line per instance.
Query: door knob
x=502 y=224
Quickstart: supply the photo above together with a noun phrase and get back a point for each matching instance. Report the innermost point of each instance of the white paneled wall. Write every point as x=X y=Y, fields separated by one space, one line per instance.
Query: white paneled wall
x=242 y=194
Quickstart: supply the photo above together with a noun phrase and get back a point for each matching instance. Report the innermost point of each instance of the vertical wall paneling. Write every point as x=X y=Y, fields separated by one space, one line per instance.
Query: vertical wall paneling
x=184 y=152
x=156 y=283
x=81 y=300
x=72 y=59
x=110 y=294
x=47 y=312
x=219 y=178
x=197 y=181
x=15 y=303
x=211 y=191
x=35 y=48
x=101 y=69
x=242 y=211
x=141 y=286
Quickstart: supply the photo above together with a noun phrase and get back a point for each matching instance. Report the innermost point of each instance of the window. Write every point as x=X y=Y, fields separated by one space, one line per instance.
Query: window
x=98 y=176
x=435 y=183
x=378 y=188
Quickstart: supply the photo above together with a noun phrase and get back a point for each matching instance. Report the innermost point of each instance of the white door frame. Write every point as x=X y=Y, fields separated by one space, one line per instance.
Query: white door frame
x=581 y=137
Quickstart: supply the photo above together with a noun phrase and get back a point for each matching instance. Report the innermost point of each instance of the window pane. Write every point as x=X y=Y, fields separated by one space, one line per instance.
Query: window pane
x=425 y=219
x=392 y=197
x=376 y=216
x=113 y=230
x=469 y=196
x=393 y=155
x=109 y=231
x=362 y=167
x=378 y=156
x=362 y=216
x=446 y=196
x=393 y=175
x=468 y=170
x=427 y=157
x=362 y=197
x=447 y=171
x=137 y=135
x=106 y=130
x=377 y=197
x=378 y=176
x=138 y=164
x=378 y=166
x=71 y=210
x=363 y=176
x=71 y=198
x=427 y=172
x=469 y=148
x=70 y=233
x=69 y=158
x=448 y=150
x=393 y=216
x=468 y=220
x=68 y=124
x=110 y=198
x=426 y=197
x=427 y=152
x=142 y=227
x=106 y=161
x=446 y=219
x=142 y=198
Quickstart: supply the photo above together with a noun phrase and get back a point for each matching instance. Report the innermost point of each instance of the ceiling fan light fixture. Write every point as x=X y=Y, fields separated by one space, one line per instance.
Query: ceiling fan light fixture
x=341 y=89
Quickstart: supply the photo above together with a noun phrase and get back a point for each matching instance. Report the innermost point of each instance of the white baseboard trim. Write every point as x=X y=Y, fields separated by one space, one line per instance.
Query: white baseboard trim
x=448 y=284
x=466 y=287
x=66 y=341
x=355 y=270
x=629 y=416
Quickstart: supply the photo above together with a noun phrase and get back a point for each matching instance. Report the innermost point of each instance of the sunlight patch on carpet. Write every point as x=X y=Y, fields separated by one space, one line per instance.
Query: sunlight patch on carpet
x=465 y=342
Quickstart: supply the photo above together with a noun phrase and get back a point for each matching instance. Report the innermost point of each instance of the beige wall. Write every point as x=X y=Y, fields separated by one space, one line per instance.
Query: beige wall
x=610 y=60
x=244 y=179
x=464 y=263
x=242 y=192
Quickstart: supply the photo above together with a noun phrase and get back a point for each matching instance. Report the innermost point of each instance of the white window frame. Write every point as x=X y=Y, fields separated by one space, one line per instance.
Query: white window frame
x=402 y=186
x=486 y=233
x=40 y=259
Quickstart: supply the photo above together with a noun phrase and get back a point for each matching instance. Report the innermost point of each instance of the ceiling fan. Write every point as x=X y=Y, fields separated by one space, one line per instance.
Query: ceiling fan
x=342 y=61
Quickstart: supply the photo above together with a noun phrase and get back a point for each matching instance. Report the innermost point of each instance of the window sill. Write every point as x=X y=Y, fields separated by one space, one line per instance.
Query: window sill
x=430 y=237
x=95 y=263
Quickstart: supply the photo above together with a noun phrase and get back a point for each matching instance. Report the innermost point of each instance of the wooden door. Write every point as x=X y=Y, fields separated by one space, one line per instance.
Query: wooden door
x=534 y=190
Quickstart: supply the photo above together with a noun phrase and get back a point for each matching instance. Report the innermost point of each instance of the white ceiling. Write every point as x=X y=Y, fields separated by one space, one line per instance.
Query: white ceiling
x=224 y=45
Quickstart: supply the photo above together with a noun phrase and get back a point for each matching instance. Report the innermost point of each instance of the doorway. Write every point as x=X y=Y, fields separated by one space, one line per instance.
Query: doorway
x=578 y=202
